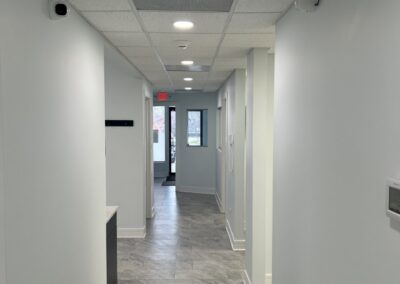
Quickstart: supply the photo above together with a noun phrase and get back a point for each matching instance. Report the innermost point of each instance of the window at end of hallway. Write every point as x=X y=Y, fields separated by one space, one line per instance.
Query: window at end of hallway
x=197 y=128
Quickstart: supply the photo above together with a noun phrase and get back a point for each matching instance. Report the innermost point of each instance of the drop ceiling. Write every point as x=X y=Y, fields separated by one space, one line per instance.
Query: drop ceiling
x=224 y=32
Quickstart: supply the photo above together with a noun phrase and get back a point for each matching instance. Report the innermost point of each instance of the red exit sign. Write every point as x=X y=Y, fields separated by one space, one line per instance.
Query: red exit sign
x=162 y=96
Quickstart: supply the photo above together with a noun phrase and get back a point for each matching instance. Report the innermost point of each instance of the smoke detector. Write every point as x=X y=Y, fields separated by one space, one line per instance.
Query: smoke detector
x=182 y=44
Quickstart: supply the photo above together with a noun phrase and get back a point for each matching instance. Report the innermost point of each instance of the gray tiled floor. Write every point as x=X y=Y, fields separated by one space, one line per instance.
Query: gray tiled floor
x=186 y=243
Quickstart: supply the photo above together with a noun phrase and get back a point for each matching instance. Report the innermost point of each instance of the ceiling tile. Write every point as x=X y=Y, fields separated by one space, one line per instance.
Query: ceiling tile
x=184 y=5
x=203 y=22
x=156 y=76
x=253 y=23
x=172 y=39
x=219 y=75
x=101 y=5
x=176 y=60
x=263 y=5
x=145 y=60
x=149 y=67
x=229 y=64
x=190 y=52
x=113 y=21
x=249 y=40
x=197 y=76
x=233 y=52
x=137 y=51
x=127 y=38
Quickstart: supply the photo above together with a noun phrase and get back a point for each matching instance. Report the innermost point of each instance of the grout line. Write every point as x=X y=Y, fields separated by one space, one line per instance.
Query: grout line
x=146 y=33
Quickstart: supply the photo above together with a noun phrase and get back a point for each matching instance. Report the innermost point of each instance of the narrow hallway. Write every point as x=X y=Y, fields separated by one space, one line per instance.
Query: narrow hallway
x=186 y=242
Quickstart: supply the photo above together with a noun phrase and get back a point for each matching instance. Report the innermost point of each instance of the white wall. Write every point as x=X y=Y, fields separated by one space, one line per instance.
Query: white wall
x=234 y=91
x=259 y=164
x=337 y=143
x=52 y=84
x=125 y=147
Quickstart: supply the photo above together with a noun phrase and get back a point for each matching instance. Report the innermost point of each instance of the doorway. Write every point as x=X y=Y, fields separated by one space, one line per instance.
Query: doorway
x=170 y=180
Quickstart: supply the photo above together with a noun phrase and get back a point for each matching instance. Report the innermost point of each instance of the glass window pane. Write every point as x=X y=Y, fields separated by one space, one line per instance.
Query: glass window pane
x=159 y=134
x=194 y=128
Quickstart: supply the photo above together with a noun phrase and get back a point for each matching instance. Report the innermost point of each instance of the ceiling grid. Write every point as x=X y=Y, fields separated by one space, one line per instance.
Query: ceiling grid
x=223 y=33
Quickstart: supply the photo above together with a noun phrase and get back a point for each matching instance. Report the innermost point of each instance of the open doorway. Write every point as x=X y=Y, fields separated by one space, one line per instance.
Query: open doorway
x=170 y=180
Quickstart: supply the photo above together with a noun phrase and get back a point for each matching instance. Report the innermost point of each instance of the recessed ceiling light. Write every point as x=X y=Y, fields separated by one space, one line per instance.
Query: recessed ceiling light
x=183 y=25
x=187 y=62
x=188 y=79
x=188 y=88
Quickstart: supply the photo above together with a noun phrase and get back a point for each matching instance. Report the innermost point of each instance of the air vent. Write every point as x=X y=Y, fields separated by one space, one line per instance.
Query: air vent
x=184 y=5
x=188 y=68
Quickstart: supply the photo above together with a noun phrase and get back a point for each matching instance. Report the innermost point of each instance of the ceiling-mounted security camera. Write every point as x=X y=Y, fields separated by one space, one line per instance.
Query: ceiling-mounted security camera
x=58 y=9
x=307 y=5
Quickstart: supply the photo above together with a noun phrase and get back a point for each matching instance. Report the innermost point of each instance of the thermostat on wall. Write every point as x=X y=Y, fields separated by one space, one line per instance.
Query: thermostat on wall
x=393 y=199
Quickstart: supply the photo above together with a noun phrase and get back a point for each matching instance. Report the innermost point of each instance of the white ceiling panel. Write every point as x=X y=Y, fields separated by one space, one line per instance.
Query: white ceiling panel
x=190 y=52
x=172 y=39
x=150 y=60
x=137 y=51
x=127 y=38
x=197 y=76
x=263 y=5
x=249 y=40
x=219 y=75
x=203 y=22
x=176 y=60
x=159 y=76
x=233 y=52
x=113 y=21
x=148 y=67
x=101 y=5
x=229 y=64
x=253 y=23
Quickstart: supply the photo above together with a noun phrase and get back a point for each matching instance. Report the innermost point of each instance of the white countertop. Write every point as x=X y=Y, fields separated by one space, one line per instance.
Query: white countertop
x=110 y=211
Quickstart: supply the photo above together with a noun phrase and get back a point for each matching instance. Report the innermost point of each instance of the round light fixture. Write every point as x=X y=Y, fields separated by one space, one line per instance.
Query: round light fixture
x=188 y=88
x=187 y=62
x=183 y=25
x=188 y=79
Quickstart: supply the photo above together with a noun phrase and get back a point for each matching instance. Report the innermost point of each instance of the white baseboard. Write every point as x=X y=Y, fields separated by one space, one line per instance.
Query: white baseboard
x=237 y=245
x=268 y=278
x=195 y=189
x=219 y=202
x=131 y=233
x=246 y=278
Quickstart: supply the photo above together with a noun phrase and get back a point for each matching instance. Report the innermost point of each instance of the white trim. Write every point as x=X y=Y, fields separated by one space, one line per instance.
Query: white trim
x=195 y=189
x=246 y=278
x=153 y=212
x=131 y=233
x=219 y=202
x=268 y=278
x=237 y=245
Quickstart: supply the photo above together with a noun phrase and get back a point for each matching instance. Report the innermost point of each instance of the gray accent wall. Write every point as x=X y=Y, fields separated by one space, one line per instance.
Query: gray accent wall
x=337 y=143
